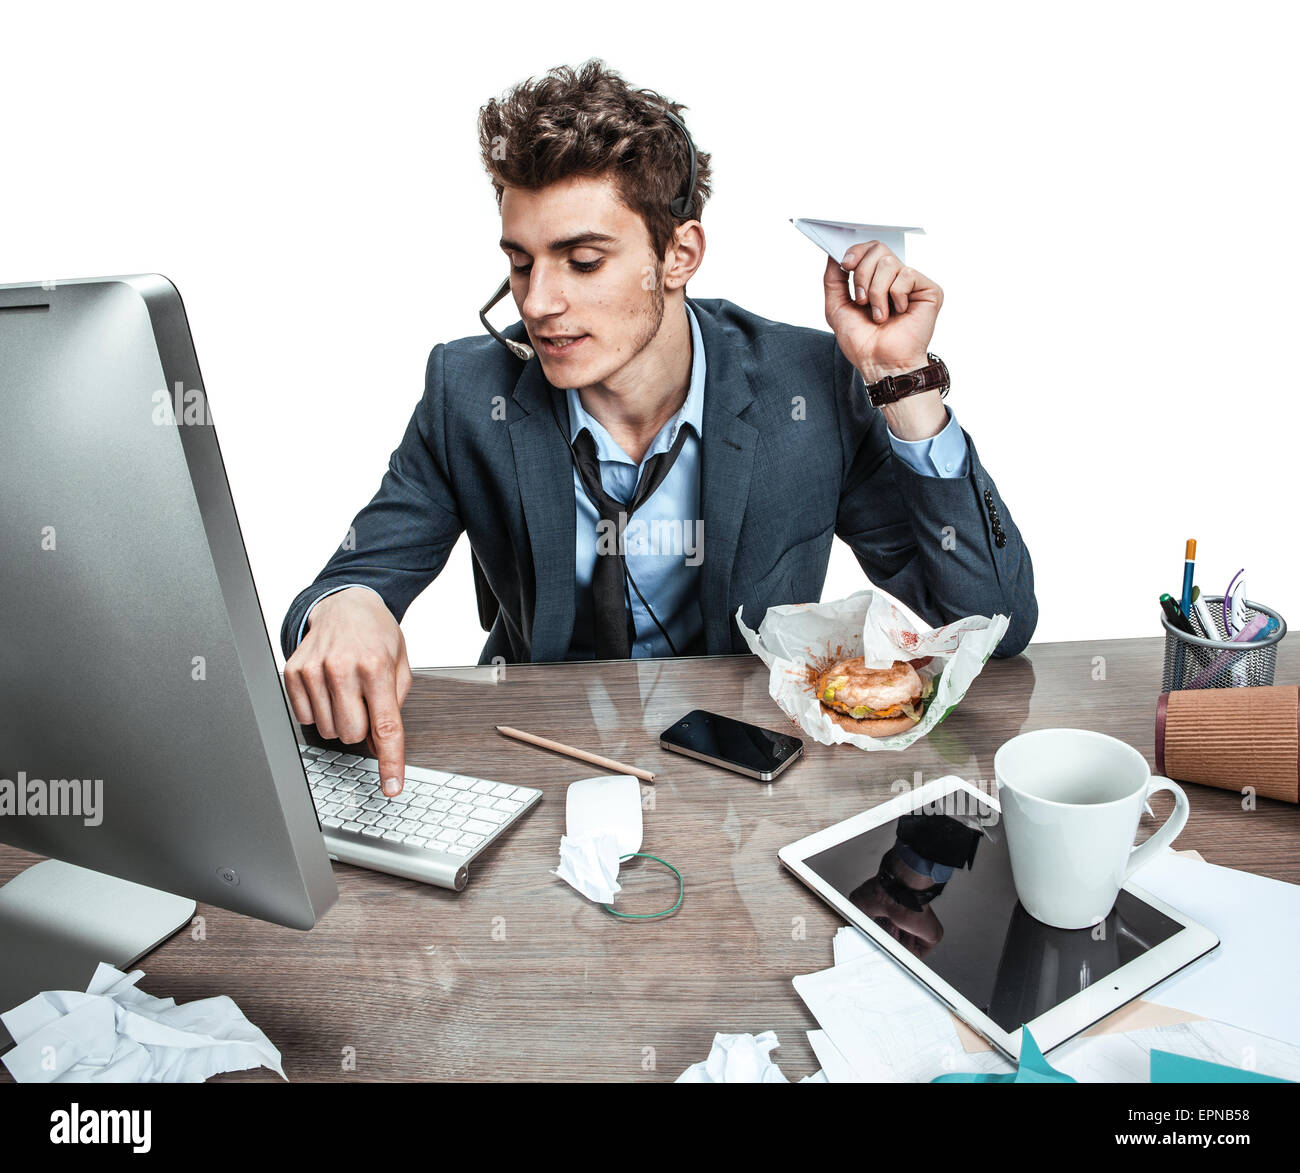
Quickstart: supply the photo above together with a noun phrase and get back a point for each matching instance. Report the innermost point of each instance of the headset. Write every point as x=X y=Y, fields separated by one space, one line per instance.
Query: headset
x=683 y=206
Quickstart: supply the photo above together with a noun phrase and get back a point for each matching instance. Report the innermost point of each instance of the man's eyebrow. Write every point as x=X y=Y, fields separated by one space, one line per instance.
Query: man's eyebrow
x=560 y=245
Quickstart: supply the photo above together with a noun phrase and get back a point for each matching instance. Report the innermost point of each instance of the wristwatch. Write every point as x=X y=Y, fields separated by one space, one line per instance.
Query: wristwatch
x=896 y=387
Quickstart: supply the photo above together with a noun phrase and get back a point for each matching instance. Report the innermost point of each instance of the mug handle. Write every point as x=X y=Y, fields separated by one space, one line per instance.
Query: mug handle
x=1161 y=838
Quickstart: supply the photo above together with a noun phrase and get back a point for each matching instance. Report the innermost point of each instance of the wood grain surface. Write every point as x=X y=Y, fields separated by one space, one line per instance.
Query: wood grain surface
x=520 y=978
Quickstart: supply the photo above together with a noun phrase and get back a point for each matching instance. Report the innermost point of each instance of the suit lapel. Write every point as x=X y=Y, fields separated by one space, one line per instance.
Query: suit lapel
x=545 y=475
x=726 y=465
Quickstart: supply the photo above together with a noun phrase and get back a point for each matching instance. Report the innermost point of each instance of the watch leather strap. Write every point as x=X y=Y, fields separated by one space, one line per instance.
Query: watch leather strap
x=895 y=387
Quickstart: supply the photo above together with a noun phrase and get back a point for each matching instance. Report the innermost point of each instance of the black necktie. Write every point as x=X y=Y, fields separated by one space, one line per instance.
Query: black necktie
x=614 y=629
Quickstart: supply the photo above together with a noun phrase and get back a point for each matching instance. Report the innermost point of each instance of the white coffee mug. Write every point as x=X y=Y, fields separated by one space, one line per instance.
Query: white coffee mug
x=1071 y=800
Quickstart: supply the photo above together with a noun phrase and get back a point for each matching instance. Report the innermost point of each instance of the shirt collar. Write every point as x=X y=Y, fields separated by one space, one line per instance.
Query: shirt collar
x=691 y=411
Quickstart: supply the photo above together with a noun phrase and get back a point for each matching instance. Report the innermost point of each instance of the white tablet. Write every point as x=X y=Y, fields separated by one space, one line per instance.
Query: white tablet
x=927 y=877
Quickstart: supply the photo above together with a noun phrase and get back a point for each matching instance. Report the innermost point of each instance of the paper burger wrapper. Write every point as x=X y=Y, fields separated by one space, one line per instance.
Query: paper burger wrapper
x=1232 y=738
x=798 y=641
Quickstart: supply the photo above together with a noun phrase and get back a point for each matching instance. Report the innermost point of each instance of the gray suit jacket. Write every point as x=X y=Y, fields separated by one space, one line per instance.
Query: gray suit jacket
x=792 y=454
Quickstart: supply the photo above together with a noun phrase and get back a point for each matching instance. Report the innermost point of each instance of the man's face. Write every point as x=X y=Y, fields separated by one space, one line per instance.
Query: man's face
x=582 y=268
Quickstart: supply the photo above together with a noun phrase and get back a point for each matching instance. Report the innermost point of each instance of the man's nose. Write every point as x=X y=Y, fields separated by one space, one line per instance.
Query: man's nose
x=545 y=296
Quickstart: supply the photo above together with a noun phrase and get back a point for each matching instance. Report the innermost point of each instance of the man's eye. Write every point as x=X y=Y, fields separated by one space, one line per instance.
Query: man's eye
x=520 y=268
x=585 y=266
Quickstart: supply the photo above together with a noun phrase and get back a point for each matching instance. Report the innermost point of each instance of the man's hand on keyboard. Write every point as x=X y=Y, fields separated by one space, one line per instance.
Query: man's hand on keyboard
x=350 y=676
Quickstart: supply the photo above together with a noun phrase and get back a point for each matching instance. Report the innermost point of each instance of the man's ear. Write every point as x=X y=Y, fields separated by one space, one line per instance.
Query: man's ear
x=685 y=255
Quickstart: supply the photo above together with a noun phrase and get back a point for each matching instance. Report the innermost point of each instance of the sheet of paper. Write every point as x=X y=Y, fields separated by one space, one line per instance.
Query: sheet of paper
x=1251 y=980
x=836 y=237
x=116 y=1033
x=887 y=1026
x=835 y=1067
x=1126 y=1058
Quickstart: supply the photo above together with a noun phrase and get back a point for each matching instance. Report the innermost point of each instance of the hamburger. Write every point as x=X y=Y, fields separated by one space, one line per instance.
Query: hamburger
x=878 y=702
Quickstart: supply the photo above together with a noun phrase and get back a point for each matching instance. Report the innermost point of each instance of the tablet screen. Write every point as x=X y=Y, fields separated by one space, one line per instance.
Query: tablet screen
x=939 y=882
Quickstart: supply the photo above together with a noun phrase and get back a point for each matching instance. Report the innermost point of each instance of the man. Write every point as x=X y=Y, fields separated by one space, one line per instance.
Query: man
x=648 y=420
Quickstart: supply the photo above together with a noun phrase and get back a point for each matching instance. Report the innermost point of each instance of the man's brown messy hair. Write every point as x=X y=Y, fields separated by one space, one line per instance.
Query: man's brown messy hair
x=591 y=122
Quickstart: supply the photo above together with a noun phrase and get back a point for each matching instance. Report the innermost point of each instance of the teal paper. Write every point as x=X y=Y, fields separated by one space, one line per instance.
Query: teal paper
x=1033 y=1068
x=1167 y=1067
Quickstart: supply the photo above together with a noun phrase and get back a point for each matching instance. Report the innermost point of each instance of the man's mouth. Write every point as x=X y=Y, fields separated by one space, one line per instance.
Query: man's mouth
x=555 y=344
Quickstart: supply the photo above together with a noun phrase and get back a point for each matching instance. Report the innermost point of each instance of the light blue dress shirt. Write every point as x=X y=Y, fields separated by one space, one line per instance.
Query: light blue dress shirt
x=664 y=540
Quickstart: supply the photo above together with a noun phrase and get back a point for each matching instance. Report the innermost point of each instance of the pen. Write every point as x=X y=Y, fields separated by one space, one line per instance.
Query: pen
x=1189 y=570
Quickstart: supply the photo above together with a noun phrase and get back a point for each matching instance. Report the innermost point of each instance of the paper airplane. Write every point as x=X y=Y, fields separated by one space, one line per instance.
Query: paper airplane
x=836 y=236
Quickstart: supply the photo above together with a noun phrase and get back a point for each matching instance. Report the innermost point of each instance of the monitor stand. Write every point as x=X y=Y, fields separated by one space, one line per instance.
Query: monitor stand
x=59 y=921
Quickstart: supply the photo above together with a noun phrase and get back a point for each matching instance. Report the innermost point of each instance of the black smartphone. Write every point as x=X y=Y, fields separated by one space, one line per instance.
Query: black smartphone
x=734 y=745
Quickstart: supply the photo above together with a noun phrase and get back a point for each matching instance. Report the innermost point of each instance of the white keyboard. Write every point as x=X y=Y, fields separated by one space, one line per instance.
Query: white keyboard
x=430 y=832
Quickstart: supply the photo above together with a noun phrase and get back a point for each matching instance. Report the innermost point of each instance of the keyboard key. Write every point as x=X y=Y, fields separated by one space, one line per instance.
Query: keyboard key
x=347 y=759
x=368 y=817
x=509 y=805
x=458 y=849
x=311 y=751
x=335 y=769
x=407 y=826
x=351 y=771
x=421 y=801
x=373 y=832
x=447 y=835
x=327 y=755
x=491 y=816
x=331 y=823
x=503 y=790
x=481 y=800
x=330 y=808
x=431 y=817
x=352 y=825
x=463 y=808
x=477 y=828
x=453 y=821
x=440 y=804
x=456 y=782
x=483 y=787
x=470 y=840
x=415 y=841
x=376 y=804
x=394 y=808
x=394 y=836
x=435 y=777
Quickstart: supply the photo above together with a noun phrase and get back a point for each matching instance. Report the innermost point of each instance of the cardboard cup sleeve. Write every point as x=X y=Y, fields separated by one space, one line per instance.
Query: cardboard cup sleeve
x=1232 y=738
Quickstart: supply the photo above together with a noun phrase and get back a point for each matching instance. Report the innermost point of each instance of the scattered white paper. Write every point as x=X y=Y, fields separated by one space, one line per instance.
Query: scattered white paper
x=1251 y=979
x=116 y=1033
x=603 y=823
x=868 y=624
x=838 y=236
x=738 y=1059
x=1126 y=1058
x=885 y=1025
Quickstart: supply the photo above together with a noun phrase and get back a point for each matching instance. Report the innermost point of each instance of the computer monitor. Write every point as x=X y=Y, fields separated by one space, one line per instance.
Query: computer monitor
x=146 y=743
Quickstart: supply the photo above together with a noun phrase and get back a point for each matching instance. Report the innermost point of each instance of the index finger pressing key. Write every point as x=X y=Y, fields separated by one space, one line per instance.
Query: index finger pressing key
x=386 y=731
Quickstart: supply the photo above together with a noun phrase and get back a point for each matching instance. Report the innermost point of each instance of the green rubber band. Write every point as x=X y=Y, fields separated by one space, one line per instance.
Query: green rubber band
x=681 y=889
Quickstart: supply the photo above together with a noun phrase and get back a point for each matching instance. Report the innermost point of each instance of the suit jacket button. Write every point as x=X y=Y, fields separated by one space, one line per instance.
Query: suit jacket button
x=1000 y=540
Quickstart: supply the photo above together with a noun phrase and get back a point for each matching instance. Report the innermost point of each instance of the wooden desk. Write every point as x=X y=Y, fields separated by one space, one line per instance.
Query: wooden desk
x=519 y=977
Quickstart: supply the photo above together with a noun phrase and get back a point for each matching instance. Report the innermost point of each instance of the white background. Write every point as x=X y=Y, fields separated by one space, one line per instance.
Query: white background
x=1107 y=192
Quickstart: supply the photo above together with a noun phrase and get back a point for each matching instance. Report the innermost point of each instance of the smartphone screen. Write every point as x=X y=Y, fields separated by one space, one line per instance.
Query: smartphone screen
x=760 y=753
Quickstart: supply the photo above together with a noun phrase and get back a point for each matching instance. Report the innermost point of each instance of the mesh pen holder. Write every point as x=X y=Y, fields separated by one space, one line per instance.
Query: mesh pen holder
x=1220 y=663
